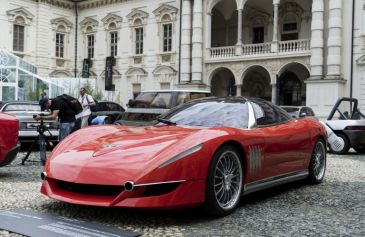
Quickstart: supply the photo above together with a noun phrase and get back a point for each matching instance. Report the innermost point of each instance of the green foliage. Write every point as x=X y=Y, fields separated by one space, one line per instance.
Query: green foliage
x=117 y=98
x=88 y=88
x=97 y=95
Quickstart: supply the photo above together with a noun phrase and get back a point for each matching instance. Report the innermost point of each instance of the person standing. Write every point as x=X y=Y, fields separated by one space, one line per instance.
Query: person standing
x=59 y=108
x=86 y=101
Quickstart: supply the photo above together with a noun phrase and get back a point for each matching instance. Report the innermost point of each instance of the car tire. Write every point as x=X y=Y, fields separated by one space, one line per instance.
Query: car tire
x=346 y=146
x=224 y=182
x=317 y=165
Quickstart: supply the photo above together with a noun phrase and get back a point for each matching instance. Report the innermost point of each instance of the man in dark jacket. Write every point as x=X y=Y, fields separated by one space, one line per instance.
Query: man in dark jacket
x=59 y=108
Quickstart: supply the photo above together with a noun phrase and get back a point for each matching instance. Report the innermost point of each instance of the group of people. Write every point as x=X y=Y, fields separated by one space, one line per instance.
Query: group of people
x=62 y=110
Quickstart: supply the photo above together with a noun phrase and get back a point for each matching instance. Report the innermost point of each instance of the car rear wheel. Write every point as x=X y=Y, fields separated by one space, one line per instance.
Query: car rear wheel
x=346 y=146
x=224 y=182
x=317 y=165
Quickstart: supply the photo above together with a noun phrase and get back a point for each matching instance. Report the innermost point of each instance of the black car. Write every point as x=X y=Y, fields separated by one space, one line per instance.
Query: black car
x=107 y=108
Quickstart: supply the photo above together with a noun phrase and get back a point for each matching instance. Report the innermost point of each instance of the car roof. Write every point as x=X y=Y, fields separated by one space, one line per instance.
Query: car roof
x=196 y=91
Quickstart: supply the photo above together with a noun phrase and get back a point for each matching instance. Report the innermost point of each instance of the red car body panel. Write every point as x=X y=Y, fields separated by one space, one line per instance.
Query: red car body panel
x=110 y=156
x=9 y=146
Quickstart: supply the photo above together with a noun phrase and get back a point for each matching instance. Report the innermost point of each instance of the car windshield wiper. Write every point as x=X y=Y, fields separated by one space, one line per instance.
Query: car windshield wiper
x=166 y=121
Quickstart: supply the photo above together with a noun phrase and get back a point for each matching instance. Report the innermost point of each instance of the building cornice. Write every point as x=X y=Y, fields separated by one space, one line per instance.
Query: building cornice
x=58 y=3
x=97 y=3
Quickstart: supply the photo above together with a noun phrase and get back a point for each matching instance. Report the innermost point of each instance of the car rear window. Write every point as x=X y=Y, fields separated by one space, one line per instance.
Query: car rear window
x=22 y=107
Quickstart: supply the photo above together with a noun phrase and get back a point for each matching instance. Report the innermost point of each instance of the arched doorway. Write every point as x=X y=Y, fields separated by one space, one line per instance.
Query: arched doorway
x=256 y=83
x=291 y=88
x=224 y=24
x=223 y=83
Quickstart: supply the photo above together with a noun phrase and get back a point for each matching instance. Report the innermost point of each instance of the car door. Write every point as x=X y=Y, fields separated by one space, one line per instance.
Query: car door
x=286 y=139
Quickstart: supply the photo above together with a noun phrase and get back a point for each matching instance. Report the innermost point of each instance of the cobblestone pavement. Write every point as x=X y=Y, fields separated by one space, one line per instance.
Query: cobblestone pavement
x=334 y=208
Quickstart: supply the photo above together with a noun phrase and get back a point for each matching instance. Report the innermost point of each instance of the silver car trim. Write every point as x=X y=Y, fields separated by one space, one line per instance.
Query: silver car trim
x=274 y=181
x=167 y=182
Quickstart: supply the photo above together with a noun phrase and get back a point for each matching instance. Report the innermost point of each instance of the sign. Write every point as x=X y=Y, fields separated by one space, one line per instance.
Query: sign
x=109 y=74
x=86 y=68
x=30 y=223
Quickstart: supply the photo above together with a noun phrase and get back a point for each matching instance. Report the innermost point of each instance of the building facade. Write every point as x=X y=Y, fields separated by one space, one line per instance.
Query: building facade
x=290 y=52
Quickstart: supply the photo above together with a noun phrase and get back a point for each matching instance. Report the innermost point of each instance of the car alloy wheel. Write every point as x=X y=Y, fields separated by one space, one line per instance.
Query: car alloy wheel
x=225 y=181
x=317 y=165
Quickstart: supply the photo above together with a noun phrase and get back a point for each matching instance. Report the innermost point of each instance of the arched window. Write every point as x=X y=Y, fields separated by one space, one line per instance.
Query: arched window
x=138 y=36
x=18 y=34
x=60 y=41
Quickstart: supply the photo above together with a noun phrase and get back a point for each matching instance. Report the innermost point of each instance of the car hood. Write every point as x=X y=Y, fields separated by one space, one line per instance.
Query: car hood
x=117 y=153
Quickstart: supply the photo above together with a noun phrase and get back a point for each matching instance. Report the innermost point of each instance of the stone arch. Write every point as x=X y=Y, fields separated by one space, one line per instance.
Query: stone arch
x=112 y=19
x=116 y=73
x=222 y=82
x=60 y=73
x=136 y=71
x=256 y=82
x=224 y=24
x=291 y=87
x=164 y=70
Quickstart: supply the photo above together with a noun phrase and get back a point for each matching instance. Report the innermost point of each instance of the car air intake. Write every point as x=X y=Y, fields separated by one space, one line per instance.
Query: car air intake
x=90 y=189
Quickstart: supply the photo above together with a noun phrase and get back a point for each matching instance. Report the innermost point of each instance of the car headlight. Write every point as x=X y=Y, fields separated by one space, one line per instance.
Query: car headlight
x=181 y=155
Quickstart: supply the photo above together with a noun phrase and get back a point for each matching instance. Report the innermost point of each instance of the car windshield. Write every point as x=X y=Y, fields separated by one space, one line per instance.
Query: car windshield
x=210 y=114
x=152 y=100
x=139 y=116
x=22 y=107
x=290 y=109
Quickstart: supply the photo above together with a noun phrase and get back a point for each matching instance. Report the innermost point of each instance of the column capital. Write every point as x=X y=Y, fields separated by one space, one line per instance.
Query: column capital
x=276 y=2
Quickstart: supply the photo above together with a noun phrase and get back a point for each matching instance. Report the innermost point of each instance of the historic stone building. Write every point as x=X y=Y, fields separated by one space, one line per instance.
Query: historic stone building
x=291 y=52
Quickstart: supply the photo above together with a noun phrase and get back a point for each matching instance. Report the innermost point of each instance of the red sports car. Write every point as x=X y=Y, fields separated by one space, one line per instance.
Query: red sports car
x=209 y=151
x=9 y=146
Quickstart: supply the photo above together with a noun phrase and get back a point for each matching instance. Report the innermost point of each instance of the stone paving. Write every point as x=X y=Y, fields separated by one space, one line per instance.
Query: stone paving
x=334 y=208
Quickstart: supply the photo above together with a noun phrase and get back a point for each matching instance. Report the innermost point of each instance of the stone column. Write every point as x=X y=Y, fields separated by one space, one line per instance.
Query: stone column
x=185 y=70
x=239 y=33
x=208 y=30
x=334 y=39
x=317 y=44
x=197 y=54
x=238 y=89
x=274 y=45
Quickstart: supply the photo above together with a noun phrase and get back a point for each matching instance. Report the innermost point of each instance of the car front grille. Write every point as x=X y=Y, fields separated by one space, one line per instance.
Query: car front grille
x=90 y=189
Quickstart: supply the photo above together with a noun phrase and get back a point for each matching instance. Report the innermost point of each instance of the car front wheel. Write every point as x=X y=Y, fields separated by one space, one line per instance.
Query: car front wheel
x=224 y=182
x=317 y=165
x=346 y=145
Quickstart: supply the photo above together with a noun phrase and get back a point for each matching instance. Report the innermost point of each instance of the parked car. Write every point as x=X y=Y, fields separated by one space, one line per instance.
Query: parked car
x=348 y=123
x=108 y=108
x=24 y=111
x=205 y=152
x=9 y=145
x=299 y=111
x=148 y=105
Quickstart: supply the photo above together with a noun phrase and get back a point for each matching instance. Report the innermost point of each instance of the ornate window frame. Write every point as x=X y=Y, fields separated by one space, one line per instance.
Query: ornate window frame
x=137 y=19
x=20 y=16
x=295 y=11
x=112 y=23
x=63 y=26
x=89 y=26
x=166 y=14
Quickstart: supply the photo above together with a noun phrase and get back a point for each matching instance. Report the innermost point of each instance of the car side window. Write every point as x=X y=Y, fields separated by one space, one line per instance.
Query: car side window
x=267 y=114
